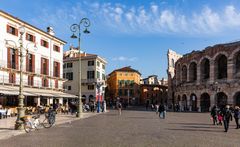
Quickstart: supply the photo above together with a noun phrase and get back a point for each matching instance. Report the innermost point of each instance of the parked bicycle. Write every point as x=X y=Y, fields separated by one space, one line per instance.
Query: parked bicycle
x=33 y=122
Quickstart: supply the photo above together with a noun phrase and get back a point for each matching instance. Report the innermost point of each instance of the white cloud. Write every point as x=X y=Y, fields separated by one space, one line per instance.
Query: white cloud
x=151 y=19
x=123 y=58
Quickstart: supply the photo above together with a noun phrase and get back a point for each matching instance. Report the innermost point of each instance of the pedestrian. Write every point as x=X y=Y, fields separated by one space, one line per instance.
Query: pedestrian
x=236 y=116
x=156 y=107
x=119 y=105
x=162 y=111
x=227 y=116
x=220 y=117
x=214 y=114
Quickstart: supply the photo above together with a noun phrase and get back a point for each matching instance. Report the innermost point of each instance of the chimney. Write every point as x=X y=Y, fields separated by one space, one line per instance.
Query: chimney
x=50 y=31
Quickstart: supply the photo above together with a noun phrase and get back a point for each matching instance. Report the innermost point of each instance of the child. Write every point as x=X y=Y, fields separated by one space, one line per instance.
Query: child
x=220 y=118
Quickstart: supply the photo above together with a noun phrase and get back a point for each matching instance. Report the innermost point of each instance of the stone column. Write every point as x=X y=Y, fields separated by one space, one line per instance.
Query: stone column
x=230 y=68
x=212 y=99
x=212 y=71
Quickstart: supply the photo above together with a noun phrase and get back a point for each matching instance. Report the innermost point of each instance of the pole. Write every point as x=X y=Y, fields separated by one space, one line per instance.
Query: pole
x=79 y=111
x=21 y=112
x=128 y=97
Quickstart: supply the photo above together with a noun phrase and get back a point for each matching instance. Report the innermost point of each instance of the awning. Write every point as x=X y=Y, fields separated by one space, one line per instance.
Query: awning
x=4 y=89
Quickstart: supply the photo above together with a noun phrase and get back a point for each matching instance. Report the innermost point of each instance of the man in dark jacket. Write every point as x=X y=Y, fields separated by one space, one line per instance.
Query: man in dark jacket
x=214 y=114
x=227 y=116
x=236 y=116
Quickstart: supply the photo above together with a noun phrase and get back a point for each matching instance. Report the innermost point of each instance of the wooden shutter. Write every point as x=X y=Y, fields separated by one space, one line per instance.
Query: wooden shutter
x=47 y=45
x=17 y=59
x=16 y=31
x=26 y=36
x=8 y=57
x=47 y=66
x=8 y=28
x=34 y=39
x=41 y=42
x=33 y=63
x=56 y=84
x=41 y=65
x=58 y=67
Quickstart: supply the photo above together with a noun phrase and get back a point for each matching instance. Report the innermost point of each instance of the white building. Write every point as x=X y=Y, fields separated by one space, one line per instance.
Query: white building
x=42 y=66
x=93 y=74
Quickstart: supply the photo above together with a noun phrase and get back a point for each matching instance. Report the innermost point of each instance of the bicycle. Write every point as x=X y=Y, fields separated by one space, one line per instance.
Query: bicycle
x=50 y=118
x=31 y=122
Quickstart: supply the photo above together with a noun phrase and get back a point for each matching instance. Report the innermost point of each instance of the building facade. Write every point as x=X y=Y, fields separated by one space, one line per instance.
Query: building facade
x=153 y=94
x=172 y=57
x=93 y=74
x=123 y=84
x=208 y=77
x=42 y=63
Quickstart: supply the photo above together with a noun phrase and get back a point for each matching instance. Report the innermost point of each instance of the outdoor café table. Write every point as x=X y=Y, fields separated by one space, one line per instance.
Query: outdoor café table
x=2 y=113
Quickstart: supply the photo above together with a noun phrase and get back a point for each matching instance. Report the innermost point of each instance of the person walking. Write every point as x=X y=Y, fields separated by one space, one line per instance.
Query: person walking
x=162 y=111
x=214 y=114
x=156 y=107
x=119 y=105
x=227 y=116
x=236 y=116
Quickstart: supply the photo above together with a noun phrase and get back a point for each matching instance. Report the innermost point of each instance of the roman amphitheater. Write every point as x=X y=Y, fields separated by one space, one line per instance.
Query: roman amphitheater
x=208 y=77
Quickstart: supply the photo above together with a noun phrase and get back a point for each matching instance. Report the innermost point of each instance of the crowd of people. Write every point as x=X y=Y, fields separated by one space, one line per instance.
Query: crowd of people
x=223 y=115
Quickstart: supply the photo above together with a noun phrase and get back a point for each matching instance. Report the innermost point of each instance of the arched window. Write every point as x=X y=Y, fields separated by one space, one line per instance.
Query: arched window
x=193 y=72
x=222 y=67
x=205 y=69
x=184 y=73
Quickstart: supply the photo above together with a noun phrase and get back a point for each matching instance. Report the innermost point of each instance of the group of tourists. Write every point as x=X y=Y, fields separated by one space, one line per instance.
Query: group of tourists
x=225 y=115
x=160 y=109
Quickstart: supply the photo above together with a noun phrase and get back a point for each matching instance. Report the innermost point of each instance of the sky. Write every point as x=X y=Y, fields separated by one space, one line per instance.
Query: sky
x=136 y=33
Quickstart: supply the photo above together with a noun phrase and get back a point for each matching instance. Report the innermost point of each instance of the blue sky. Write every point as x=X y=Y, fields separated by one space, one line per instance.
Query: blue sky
x=136 y=33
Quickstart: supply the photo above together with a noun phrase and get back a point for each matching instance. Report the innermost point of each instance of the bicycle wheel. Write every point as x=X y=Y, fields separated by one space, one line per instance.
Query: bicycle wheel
x=46 y=123
x=27 y=127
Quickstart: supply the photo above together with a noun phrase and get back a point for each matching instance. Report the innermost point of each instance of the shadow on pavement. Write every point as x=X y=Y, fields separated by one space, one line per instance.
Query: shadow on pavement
x=195 y=130
x=197 y=124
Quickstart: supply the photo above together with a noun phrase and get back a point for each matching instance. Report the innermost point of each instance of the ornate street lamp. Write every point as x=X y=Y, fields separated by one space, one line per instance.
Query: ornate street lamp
x=21 y=110
x=76 y=28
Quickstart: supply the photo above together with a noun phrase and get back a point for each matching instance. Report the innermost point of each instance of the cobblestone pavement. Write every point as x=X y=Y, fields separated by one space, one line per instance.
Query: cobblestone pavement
x=132 y=129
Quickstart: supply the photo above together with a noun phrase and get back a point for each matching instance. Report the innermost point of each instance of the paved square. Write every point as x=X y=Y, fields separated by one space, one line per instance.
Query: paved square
x=133 y=129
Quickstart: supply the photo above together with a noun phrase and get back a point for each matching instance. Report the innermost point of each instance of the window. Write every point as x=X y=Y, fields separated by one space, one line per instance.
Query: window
x=90 y=63
x=126 y=92
x=90 y=74
x=56 y=70
x=56 y=83
x=69 y=88
x=98 y=63
x=12 y=78
x=120 y=92
x=173 y=63
x=64 y=75
x=98 y=74
x=69 y=75
x=90 y=87
x=44 y=67
x=44 y=43
x=12 y=58
x=56 y=48
x=12 y=30
x=64 y=65
x=30 y=63
x=103 y=66
x=222 y=67
x=45 y=82
x=69 y=65
x=30 y=37
x=30 y=80
x=103 y=77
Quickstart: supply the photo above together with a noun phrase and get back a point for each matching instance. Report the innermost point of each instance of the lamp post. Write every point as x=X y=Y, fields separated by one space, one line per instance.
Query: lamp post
x=76 y=28
x=21 y=110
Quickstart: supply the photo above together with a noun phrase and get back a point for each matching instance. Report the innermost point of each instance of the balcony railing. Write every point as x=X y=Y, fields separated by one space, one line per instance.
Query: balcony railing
x=92 y=81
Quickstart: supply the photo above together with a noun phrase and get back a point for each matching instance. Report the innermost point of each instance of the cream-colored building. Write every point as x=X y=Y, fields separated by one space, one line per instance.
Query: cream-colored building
x=172 y=59
x=93 y=74
x=42 y=63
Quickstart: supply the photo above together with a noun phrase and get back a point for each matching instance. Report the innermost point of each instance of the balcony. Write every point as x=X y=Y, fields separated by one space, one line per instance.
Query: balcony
x=92 y=81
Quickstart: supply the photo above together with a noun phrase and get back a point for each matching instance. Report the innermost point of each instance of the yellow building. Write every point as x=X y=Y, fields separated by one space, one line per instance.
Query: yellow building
x=123 y=85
